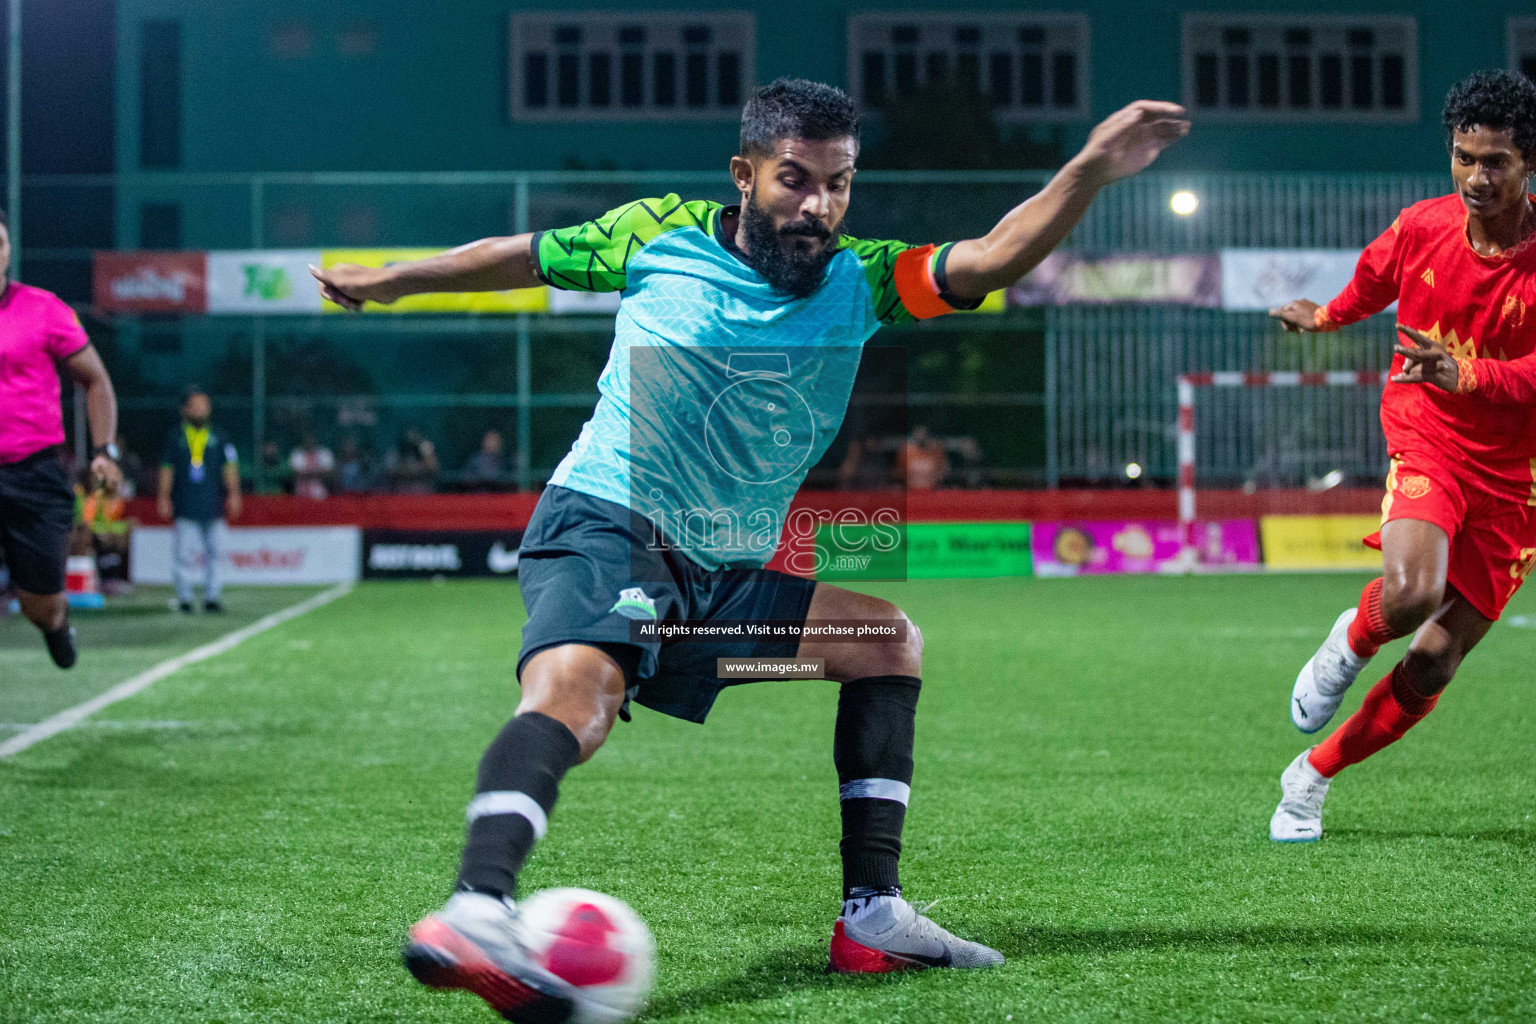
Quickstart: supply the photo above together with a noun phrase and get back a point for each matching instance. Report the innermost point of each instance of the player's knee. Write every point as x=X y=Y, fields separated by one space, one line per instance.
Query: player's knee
x=578 y=686
x=902 y=655
x=1407 y=601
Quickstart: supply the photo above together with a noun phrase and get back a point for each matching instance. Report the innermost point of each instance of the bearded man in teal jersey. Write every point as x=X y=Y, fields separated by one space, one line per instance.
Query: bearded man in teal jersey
x=735 y=349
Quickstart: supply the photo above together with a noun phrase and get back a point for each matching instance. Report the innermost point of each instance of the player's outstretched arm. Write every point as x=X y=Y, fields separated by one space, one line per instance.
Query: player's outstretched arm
x=489 y=265
x=1120 y=146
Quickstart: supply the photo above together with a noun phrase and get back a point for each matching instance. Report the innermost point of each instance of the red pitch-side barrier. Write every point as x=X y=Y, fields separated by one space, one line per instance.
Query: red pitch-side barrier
x=511 y=511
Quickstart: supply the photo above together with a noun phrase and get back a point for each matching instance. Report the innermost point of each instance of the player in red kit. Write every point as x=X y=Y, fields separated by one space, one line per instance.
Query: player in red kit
x=1458 y=533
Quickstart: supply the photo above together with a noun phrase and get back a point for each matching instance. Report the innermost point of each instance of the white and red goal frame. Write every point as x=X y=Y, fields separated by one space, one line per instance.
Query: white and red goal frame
x=1188 y=382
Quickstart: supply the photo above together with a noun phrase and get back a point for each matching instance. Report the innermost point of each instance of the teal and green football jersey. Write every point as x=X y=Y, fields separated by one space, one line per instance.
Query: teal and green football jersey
x=720 y=393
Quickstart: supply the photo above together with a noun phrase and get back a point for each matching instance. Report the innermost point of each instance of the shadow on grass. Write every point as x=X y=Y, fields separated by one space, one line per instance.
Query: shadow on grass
x=804 y=967
x=787 y=970
x=1019 y=941
x=1513 y=836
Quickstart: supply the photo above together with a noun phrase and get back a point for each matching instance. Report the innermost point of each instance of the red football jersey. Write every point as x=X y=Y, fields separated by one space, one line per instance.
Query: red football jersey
x=1483 y=309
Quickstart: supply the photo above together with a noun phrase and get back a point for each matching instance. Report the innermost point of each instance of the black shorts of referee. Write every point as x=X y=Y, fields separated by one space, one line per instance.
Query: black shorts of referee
x=37 y=511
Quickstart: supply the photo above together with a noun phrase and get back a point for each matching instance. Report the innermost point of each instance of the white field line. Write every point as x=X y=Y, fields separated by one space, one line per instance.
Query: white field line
x=70 y=717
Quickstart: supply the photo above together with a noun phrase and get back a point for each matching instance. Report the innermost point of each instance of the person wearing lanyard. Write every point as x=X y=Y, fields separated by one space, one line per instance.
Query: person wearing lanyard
x=38 y=334
x=199 y=483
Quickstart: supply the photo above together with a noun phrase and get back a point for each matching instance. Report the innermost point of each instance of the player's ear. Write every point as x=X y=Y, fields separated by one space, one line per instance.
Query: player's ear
x=743 y=173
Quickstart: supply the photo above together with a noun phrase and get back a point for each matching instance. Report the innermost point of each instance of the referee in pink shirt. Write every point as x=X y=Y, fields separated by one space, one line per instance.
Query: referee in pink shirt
x=38 y=334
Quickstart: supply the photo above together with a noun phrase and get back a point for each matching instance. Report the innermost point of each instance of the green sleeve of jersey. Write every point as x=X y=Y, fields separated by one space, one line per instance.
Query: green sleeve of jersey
x=879 y=259
x=594 y=257
x=892 y=305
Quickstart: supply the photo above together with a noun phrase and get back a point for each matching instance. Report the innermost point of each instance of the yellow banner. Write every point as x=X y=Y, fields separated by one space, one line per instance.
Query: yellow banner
x=1319 y=542
x=519 y=300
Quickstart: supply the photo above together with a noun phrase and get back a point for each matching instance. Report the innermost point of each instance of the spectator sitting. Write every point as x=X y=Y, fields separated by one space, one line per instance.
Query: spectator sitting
x=921 y=464
x=487 y=468
x=313 y=466
x=133 y=471
x=413 y=464
x=273 y=473
x=354 y=471
x=864 y=466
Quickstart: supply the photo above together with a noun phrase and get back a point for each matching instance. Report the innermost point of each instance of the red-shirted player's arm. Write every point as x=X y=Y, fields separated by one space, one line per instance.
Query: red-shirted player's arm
x=1374 y=286
x=1496 y=380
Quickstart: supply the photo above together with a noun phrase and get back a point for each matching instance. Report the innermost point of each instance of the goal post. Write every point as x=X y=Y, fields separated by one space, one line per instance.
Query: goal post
x=1191 y=384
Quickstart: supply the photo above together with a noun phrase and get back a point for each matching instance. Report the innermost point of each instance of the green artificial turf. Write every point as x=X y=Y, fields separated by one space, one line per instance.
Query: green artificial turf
x=1097 y=762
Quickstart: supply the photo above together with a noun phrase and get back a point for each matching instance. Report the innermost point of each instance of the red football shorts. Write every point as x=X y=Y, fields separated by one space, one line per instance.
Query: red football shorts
x=1493 y=541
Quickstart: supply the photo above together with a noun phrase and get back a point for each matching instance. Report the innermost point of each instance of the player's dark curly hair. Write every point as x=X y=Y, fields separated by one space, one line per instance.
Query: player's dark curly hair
x=795 y=108
x=1499 y=100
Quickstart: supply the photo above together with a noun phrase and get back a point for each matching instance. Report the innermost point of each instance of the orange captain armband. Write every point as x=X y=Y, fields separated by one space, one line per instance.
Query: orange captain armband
x=916 y=285
x=1322 y=321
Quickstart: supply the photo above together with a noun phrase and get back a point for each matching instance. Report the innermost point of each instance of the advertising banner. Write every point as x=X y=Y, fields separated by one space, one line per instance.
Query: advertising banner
x=519 y=300
x=1266 y=278
x=1092 y=547
x=967 y=550
x=263 y=281
x=421 y=554
x=150 y=282
x=1064 y=278
x=266 y=555
x=1319 y=542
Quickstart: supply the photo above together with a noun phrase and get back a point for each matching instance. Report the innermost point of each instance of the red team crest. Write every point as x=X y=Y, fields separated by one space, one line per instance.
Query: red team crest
x=1413 y=487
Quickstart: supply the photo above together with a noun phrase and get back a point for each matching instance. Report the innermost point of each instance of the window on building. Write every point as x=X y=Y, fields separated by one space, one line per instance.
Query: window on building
x=1522 y=46
x=160 y=95
x=1298 y=67
x=606 y=65
x=1033 y=67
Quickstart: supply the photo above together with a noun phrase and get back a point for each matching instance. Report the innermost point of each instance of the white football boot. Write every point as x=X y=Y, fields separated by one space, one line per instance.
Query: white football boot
x=896 y=936
x=472 y=944
x=1299 y=818
x=1323 y=680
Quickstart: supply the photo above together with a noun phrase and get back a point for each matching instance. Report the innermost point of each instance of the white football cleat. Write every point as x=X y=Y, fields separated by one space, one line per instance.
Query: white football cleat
x=1299 y=818
x=1323 y=680
x=898 y=937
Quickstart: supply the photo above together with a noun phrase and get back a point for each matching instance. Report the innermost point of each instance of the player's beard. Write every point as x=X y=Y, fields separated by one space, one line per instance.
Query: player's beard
x=776 y=255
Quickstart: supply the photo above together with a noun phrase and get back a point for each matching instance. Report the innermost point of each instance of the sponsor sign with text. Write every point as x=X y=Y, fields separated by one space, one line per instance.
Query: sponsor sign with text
x=1093 y=547
x=150 y=282
x=407 y=554
x=1319 y=542
x=262 y=555
x=1262 y=279
x=263 y=281
x=1065 y=278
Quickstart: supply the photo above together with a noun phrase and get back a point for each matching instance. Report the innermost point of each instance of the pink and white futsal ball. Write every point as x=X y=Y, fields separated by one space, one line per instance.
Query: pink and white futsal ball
x=594 y=942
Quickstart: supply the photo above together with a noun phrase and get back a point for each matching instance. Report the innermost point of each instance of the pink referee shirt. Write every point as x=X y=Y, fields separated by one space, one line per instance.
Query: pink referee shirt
x=37 y=330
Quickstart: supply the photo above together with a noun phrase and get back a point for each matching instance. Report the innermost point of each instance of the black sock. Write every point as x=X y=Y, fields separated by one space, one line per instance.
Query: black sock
x=515 y=790
x=876 y=722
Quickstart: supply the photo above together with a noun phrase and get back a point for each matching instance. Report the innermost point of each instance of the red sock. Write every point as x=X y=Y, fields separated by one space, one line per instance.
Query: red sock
x=1370 y=630
x=1390 y=709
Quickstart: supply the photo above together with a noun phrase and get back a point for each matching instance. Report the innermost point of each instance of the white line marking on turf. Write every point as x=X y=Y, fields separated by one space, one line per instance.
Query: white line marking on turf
x=70 y=717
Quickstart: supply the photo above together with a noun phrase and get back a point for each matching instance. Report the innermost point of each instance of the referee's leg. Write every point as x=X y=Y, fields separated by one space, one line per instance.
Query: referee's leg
x=35 y=520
